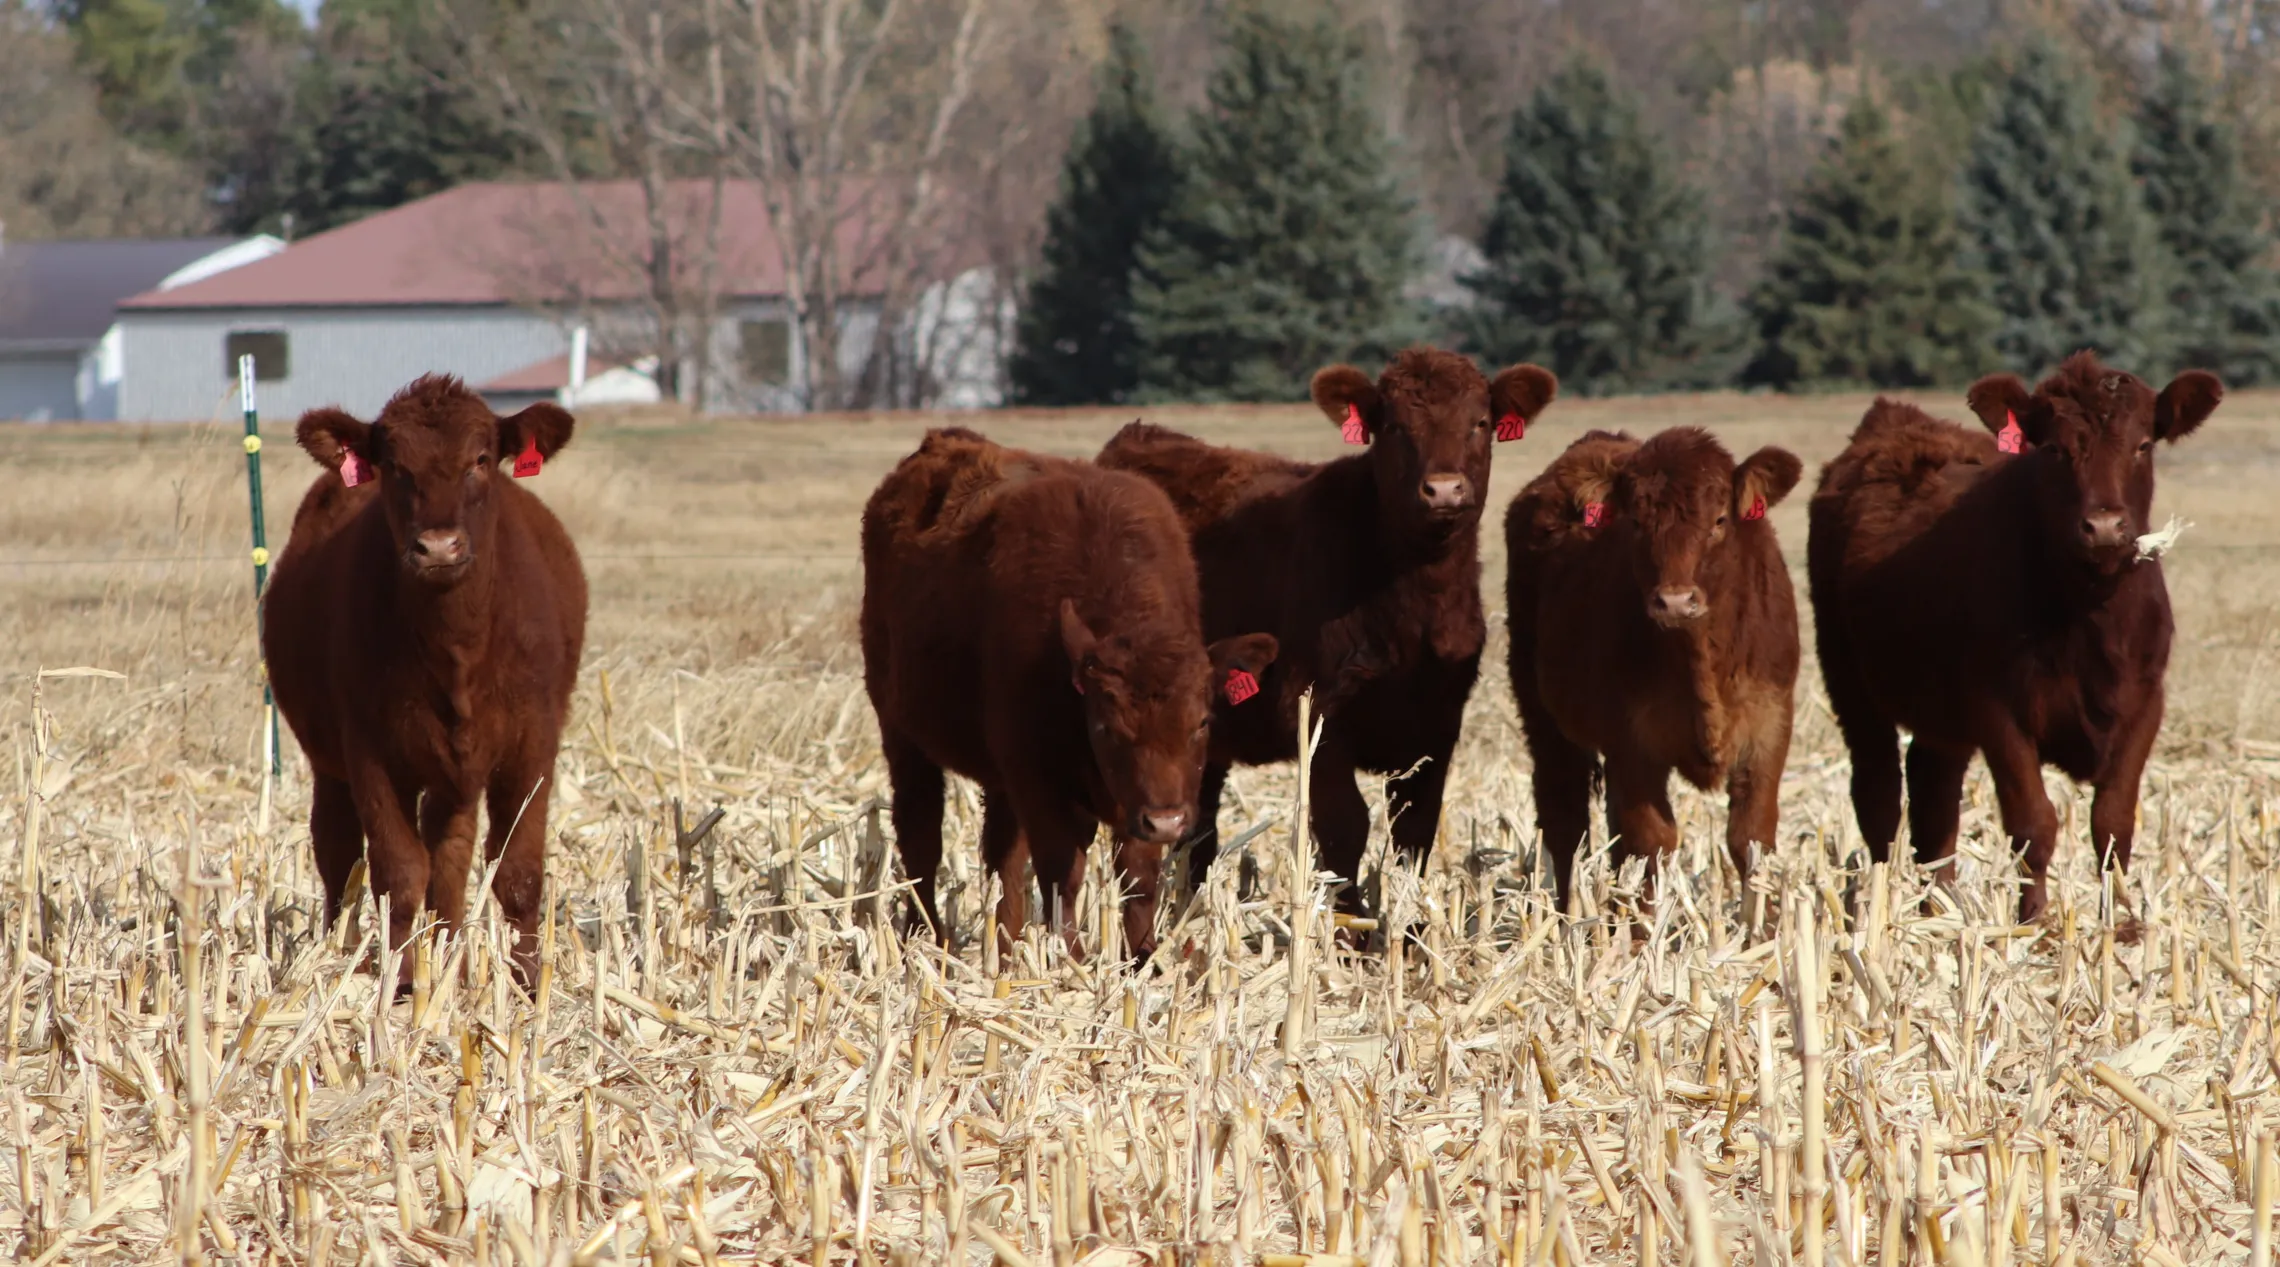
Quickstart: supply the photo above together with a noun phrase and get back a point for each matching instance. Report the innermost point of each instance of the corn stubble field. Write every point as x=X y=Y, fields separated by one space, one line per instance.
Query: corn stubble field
x=731 y=1058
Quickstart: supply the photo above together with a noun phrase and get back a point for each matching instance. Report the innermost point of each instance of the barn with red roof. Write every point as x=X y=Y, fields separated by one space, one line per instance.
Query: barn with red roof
x=489 y=281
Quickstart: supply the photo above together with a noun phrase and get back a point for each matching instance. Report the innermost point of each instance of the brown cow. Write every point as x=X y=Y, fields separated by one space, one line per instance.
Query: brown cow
x=1031 y=623
x=1998 y=605
x=1654 y=628
x=423 y=633
x=1367 y=569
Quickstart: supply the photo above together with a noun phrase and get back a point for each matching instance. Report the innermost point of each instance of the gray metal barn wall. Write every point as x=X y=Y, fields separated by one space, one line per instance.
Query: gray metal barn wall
x=354 y=358
x=40 y=387
x=859 y=326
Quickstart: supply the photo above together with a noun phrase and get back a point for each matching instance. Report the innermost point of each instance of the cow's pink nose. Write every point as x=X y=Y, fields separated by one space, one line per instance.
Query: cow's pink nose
x=440 y=548
x=2106 y=529
x=1676 y=603
x=1162 y=826
x=1446 y=492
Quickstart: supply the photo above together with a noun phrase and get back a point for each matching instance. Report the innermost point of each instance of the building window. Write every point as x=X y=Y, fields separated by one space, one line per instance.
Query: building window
x=766 y=350
x=267 y=347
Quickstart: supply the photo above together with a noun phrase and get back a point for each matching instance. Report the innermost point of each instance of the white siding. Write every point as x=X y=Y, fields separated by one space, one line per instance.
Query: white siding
x=41 y=388
x=174 y=364
x=175 y=367
x=961 y=335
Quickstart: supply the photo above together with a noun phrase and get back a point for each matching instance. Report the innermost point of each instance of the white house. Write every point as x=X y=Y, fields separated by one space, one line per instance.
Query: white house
x=574 y=380
x=61 y=351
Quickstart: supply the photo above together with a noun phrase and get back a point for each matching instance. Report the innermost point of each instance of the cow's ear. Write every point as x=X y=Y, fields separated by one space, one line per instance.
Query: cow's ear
x=1251 y=653
x=548 y=424
x=2186 y=403
x=1763 y=479
x=1081 y=644
x=331 y=435
x=1347 y=397
x=2003 y=401
x=1521 y=390
x=1590 y=473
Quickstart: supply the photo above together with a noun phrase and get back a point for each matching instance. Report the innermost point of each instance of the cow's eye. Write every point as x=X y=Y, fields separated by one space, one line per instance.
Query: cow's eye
x=1482 y=425
x=2144 y=447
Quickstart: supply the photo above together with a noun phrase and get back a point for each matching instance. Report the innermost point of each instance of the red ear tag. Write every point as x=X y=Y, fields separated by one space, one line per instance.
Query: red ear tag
x=1594 y=514
x=352 y=472
x=1354 y=429
x=2010 y=439
x=1511 y=427
x=528 y=462
x=1240 y=685
x=1756 y=510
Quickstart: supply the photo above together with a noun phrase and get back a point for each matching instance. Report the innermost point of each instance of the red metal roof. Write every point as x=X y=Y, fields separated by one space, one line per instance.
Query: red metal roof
x=512 y=243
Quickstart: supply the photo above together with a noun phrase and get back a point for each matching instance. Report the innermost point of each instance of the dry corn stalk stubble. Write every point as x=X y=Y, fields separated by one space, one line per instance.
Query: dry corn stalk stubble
x=197 y=1075
x=731 y=1058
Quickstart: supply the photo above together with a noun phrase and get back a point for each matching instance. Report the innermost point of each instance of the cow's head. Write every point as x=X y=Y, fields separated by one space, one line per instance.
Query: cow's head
x=1430 y=421
x=437 y=452
x=1685 y=504
x=1147 y=705
x=2089 y=431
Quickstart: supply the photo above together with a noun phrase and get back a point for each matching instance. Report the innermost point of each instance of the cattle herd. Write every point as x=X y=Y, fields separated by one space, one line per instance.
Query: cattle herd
x=1099 y=642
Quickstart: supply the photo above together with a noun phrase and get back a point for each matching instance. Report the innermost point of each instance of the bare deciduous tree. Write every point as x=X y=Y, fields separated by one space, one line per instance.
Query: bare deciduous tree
x=845 y=114
x=851 y=115
x=837 y=148
x=585 y=84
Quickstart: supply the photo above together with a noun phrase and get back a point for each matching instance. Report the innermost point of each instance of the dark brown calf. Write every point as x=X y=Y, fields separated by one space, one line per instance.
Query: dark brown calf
x=1653 y=628
x=423 y=633
x=1367 y=570
x=1997 y=604
x=1031 y=623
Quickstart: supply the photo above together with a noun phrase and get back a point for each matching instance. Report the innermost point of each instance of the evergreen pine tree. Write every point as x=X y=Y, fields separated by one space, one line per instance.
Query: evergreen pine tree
x=377 y=125
x=2053 y=223
x=1075 y=344
x=1865 y=286
x=2187 y=162
x=1288 y=242
x=1597 y=253
x=137 y=52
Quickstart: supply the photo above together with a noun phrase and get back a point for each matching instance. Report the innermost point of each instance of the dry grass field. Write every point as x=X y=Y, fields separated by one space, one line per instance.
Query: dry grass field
x=730 y=1059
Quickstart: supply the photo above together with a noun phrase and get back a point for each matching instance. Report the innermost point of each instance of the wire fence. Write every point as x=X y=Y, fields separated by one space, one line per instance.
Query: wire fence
x=762 y=556
x=741 y=556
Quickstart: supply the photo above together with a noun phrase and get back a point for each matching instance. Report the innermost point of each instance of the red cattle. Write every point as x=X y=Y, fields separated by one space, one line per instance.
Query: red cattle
x=1653 y=629
x=423 y=632
x=1367 y=570
x=1031 y=623
x=1998 y=604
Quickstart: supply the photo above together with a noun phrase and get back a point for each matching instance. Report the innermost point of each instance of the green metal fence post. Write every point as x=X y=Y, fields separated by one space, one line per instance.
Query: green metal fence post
x=260 y=545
